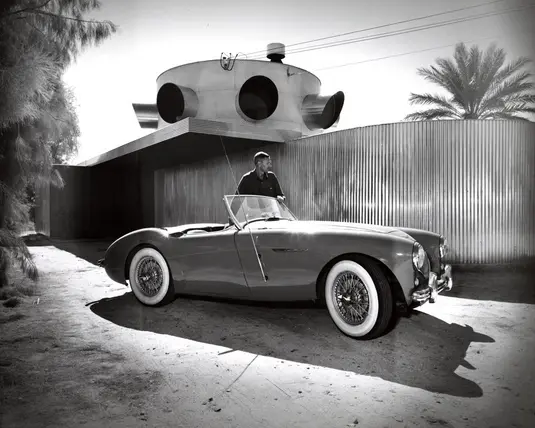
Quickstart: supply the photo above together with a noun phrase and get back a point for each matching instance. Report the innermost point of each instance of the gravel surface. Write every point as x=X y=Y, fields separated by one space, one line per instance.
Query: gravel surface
x=83 y=352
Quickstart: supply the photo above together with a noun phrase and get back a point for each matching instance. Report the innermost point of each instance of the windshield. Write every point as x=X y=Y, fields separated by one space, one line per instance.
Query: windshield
x=247 y=208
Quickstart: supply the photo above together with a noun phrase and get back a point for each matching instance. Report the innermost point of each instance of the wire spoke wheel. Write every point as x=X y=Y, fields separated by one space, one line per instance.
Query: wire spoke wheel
x=358 y=297
x=149 y=275
x=351 y=297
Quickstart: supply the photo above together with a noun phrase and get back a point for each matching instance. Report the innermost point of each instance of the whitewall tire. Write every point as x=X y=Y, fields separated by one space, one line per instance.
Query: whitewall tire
x=358 y=298
x=150 y=278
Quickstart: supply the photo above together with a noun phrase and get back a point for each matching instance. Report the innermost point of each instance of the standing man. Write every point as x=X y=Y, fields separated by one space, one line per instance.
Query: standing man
x=261 y=181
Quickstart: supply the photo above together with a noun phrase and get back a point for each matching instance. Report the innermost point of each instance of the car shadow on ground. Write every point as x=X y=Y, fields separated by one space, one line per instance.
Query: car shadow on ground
x=421 y=351
x=501 y=283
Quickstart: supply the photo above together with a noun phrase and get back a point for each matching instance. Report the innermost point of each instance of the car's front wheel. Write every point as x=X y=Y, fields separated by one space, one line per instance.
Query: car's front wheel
x=150 y=278
x=359 y=298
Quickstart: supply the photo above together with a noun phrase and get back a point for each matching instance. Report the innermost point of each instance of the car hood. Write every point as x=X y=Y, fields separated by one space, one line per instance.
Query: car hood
x=349 y=227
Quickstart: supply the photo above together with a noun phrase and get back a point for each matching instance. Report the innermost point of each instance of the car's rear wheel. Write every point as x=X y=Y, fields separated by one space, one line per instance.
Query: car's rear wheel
x=359 y=298
x=150 y=278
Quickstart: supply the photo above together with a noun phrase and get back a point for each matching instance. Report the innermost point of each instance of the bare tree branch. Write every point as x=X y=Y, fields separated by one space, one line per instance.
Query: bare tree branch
x=27 y=9
x=42 y=12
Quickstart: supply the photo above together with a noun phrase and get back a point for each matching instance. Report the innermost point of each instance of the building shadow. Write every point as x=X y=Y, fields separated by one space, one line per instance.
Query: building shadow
x=32 y=239
x=502 y=283
x=422 y=351
x=90 y=251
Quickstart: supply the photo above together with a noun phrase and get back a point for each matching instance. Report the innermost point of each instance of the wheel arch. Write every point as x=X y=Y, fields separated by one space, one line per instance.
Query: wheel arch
x=134 y=250
x=395 y=286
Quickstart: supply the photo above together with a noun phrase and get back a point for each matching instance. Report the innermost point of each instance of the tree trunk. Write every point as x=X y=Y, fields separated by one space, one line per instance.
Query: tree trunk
x=8 y=179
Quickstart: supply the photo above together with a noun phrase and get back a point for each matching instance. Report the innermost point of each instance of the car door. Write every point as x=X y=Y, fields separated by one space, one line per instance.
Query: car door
x=208 y=264
x=287 y=259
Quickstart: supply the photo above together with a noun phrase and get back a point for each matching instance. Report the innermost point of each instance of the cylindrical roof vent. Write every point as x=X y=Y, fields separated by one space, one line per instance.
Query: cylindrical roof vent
x=276 y=52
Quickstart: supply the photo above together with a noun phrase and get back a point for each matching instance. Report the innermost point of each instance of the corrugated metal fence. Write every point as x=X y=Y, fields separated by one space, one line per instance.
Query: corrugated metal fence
x=472 y=181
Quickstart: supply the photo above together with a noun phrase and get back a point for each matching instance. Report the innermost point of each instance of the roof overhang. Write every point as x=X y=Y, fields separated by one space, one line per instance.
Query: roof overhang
x=192 y=130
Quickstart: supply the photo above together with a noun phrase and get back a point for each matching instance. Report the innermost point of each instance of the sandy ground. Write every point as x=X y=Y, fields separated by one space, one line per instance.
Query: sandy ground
x=83 y=352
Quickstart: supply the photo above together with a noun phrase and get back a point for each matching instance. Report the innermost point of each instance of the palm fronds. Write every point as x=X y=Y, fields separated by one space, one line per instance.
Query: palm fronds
x=480 y=86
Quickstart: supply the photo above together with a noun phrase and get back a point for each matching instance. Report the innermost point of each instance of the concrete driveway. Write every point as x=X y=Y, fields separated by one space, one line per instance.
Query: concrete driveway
x=84 y=352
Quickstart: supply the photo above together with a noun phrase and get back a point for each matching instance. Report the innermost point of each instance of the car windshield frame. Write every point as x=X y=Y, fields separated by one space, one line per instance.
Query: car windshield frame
x=258 y=208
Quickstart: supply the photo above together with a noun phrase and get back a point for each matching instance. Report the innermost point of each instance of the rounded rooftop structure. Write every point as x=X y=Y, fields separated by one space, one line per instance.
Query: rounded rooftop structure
x=266 y=94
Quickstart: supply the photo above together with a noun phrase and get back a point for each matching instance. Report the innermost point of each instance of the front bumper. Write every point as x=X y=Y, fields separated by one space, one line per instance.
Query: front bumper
x=434 y=286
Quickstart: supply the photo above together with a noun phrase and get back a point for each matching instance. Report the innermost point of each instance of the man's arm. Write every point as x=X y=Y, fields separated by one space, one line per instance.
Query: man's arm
x=242 y=186
x=278 y=190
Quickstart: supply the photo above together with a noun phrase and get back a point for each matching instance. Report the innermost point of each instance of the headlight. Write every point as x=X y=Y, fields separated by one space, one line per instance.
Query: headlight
x=418 y=256
x=443 y=247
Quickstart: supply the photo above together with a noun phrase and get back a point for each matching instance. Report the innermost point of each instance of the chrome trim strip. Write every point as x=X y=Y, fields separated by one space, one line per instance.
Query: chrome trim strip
x=290 y=250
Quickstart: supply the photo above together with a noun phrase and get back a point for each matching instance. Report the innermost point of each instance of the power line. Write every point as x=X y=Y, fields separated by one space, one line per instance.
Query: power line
x=406 y=31
x=409 y=30
x=382 y=26
x=406 y=53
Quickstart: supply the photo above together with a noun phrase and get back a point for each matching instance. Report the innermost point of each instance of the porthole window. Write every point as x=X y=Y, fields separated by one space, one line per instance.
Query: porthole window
x=258 y=98
x=170 y=102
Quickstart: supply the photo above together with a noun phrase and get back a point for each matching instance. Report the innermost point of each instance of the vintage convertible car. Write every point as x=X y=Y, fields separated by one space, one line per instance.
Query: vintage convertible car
x=360 y=272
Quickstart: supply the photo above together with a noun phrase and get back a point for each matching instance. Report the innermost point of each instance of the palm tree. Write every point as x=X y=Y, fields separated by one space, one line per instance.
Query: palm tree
x=38 y=40
x=480 y=86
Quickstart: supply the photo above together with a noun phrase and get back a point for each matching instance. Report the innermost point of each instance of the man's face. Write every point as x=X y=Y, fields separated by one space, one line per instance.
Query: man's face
x=265 y=165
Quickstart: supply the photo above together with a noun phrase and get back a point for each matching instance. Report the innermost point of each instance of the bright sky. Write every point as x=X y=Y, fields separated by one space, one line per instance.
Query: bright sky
x=157 y=35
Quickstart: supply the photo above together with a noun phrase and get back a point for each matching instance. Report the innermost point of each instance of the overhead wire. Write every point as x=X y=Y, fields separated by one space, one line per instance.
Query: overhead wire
x=407 y=53
x=382 y=26
x=407 y=30
x=411 y=30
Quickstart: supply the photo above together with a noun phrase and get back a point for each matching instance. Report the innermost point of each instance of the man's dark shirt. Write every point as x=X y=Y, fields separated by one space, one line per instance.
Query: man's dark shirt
x=251 y=184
